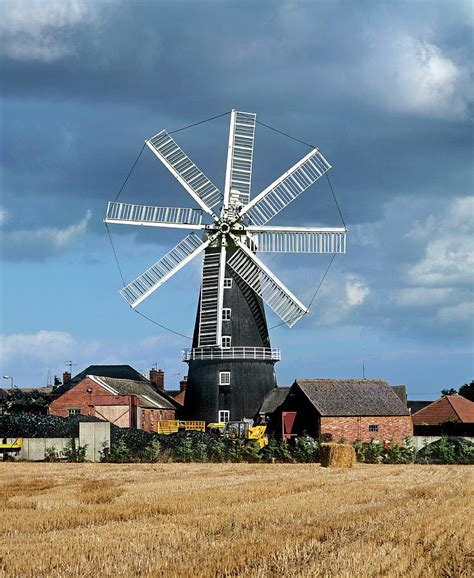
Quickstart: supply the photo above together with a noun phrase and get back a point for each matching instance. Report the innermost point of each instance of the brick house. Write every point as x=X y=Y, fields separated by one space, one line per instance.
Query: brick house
x=123 y=402
x=451 y=414
x=342 y=408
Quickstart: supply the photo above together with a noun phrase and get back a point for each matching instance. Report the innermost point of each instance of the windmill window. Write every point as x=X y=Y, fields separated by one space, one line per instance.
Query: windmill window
x=73 y=411
x=224 y=377
x=373 y=428
x=226 y=339
x=227 y=282
x=224 y=416
x=226 y=314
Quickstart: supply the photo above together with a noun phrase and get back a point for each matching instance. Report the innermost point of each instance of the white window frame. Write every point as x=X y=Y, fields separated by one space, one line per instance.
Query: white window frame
x=374 y=428
x=227 y=340
x=227 y=282
x=223 y=416
x=73 y=411
x=226 y=313
x=224 y=377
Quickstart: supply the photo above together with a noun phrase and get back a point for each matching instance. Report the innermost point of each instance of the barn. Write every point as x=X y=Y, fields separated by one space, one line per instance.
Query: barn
x=340 y=408
x=124 y=402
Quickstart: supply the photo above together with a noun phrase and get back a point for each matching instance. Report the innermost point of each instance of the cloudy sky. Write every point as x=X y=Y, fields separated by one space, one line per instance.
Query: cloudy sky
x=383 y=88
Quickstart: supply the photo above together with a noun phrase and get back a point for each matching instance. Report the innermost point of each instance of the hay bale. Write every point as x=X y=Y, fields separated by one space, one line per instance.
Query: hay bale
x=337 y=456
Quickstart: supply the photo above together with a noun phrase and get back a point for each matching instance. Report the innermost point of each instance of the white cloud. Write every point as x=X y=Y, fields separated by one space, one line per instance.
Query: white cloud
x=42 y=346
x=40 y=30
x=41 y=243
x=426 y=81
x=459 y=313
x=356 y=292
x=3 y=216
x=449 y=251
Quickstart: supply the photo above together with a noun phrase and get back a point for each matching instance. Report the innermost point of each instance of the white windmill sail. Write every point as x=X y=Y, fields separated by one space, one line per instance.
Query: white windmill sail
x=149 y=281
x=239 y=158
x=212 y=294
x=187 y=173
x=249 y=267
x=145 y=215
x=298 y=239
x=284 y=190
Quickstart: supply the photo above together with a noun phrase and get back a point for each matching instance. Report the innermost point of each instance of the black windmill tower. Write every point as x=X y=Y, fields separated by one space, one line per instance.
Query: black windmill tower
x=231 y=362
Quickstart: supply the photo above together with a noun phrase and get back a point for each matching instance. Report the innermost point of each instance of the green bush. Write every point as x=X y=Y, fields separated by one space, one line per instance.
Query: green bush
x=447 y=451
x=359 y=450
x=183 y=452
x=152 y=452
x=306 y=450
x=73 y=453
x=51 y=454
x=399 y=454
x=117 y=453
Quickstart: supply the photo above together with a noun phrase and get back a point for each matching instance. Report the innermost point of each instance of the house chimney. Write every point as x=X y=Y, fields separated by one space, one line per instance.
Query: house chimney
x=157 y=378
x=183 y=383
x=66 y=378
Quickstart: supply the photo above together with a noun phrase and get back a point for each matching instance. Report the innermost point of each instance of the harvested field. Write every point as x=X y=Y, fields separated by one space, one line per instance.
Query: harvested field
x=235 y=520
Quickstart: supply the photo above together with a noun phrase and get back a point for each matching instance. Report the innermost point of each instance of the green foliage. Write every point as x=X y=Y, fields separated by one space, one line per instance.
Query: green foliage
x=73 y=453
x=399 y=454
x=183 y=452
x=117 y=453
x=51 y=454
x=449 y=391
x=277 y=451
x=152 y=452
x=447 y=451
x=216 y=451
x=200 y=453
x=359 y=450
x=467 y=391
x=306 y=449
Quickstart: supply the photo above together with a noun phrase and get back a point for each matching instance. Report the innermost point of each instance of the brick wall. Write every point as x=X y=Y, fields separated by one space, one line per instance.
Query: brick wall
x=77 y=398
x=351 y=428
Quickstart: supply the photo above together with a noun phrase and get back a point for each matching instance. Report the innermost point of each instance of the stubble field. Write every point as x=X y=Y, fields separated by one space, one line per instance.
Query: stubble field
x=235 y=520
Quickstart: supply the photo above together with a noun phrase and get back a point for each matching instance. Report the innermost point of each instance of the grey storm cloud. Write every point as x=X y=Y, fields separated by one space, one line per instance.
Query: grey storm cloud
x=383 y=89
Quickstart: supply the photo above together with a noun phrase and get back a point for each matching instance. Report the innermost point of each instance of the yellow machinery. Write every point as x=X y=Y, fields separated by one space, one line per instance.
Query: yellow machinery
x=231 y=430
x=14 y=446
x=171 y=426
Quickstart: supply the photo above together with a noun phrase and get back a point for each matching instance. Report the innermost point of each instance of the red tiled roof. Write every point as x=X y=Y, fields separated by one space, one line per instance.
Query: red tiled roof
x=179 y=397
x=448 y=408
x=463 y=407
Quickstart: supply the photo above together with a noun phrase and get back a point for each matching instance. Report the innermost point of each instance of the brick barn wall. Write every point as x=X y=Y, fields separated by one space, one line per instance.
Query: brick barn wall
x=351 y=428
x=77 y=397
x=150 y=417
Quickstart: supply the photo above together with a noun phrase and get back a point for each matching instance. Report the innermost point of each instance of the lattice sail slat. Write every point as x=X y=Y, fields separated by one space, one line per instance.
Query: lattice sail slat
x=209 y=305
x=240 y=156
x=163 y=269
x=285 y=189
x=128 y=214
x=267 y=286
x=183 y=168
x=300 y=242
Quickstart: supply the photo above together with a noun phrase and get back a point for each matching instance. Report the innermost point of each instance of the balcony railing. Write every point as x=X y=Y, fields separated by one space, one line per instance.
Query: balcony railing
x=217 y=353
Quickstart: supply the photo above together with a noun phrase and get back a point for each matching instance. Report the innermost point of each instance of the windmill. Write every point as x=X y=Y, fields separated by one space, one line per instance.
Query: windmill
x=231 y=362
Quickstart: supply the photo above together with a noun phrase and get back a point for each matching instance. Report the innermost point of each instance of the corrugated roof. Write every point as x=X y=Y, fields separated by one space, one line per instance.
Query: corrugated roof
x=274 y=398
x=148 y=397
x=352 y=397
x=447 y=408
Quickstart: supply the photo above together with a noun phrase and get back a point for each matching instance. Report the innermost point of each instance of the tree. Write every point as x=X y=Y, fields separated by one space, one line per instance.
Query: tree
x=450 y=391
x=467 y=391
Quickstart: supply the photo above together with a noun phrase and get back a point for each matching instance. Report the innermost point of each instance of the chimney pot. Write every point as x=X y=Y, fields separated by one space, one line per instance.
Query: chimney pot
x=157 y=379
